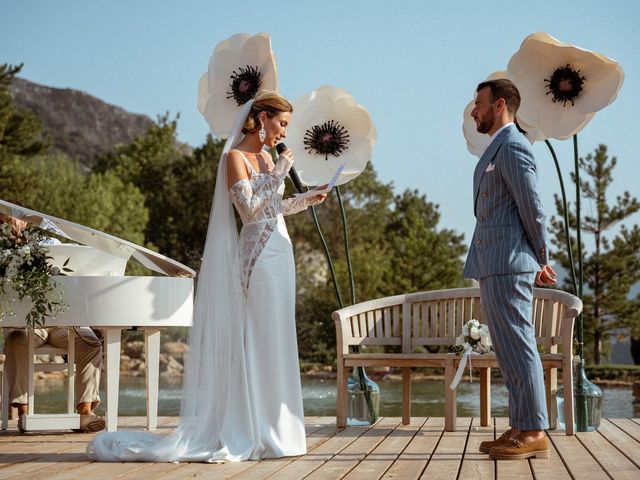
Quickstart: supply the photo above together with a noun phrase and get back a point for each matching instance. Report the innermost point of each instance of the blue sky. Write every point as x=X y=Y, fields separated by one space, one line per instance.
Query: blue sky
x=413 y=64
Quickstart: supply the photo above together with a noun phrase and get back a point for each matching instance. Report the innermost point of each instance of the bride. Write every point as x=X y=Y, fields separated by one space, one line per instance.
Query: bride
x=241 y=396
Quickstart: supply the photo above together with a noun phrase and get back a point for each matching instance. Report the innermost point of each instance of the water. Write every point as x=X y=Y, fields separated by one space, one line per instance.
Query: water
x=319 y=397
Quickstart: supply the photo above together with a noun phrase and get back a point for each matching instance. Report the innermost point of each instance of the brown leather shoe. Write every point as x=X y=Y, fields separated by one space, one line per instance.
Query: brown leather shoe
x=519 y=450
x=503 y=440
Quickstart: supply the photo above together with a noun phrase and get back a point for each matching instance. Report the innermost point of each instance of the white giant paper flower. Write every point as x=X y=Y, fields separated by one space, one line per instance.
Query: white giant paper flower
x=238 y=68
x=562 y=86
x=478 y=142
x=329 y=128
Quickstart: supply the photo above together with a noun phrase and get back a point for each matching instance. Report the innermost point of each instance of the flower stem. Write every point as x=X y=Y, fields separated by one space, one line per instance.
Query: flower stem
x=565 y=212
x=581 y=403
x=346 y=246
x=356 y=348
x=328 y=255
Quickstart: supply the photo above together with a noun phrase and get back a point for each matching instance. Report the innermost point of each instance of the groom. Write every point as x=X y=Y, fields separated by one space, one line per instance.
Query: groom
x=508 y=253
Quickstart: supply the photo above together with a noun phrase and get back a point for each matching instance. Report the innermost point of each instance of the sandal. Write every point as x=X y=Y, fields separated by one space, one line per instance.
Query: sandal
x=91 y=423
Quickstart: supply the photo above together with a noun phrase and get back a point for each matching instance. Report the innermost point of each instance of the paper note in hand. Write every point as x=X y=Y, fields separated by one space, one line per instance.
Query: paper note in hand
x=327 y=189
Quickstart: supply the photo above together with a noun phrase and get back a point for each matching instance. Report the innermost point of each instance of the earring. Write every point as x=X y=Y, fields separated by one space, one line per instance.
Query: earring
x=262 y=134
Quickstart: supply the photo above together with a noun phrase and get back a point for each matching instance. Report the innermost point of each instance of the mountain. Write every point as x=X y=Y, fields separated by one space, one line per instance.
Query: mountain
x=80 y=126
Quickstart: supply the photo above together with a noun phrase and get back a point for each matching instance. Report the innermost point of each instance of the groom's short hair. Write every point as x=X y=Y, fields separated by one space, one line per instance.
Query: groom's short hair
x=506 y=89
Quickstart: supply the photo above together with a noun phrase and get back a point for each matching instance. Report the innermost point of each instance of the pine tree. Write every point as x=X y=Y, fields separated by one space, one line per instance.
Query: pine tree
x=612 y=268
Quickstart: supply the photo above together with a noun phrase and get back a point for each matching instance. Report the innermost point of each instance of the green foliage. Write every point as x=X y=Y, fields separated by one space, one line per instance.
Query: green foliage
x=395 y=248
x=177 y=186
x=614 y=372
x=423 y=257
x=53 y=185
x=613 y=267
x=20 y=131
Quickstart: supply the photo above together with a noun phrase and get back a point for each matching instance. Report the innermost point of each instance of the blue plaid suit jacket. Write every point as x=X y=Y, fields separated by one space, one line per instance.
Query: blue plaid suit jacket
x=510 y=234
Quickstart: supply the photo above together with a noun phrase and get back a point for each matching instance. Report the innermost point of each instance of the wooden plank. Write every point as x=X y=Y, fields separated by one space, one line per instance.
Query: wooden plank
x=153 y=471
x=97 y=471
x=397 y=322
x=379 y=323
x=386 y=315
x=553 y=467
x=628 y=426
x=415 y=316
x=447 y=457
x=424 y=314
x=510 y=468
x=371 y=324
x=413 y=460
x=303 y=466
x=352 y=455
x=578 y=460
x=379 y=461
x=450 y=323
x=433 y=319
x=616 y=464
x=459 y=316
x=629 y=446
x=37 y=459
x=476 y=464
x=203 y=470
x=264 y=468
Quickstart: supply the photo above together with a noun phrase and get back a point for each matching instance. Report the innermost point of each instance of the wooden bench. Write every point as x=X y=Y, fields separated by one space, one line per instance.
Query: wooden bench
x=436 y=318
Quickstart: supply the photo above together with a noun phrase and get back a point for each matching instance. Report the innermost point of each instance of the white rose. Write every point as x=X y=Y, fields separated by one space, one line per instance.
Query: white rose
x=474 y=333
x=474 y=323
x=485 y=341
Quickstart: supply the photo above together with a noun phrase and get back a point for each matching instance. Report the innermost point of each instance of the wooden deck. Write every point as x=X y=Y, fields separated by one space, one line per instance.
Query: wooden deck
x=386 y=450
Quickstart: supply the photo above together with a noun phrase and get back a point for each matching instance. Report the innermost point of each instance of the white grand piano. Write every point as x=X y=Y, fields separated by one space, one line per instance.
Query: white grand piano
x=100 y=296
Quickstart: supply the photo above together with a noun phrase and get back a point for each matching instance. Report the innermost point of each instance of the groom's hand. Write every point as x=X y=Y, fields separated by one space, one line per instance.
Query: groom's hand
x=546 y=276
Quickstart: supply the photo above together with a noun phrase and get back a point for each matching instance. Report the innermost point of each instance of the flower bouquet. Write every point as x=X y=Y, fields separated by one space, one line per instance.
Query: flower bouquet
x=474 y=340
x=25 y=275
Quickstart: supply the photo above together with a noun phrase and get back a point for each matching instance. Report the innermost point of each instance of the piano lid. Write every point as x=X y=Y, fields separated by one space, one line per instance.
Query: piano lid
x=99 y=240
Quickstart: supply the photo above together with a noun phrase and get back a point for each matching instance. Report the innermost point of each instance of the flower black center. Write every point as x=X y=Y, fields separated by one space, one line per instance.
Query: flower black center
x=565 y=85
x=244 y=84
x=330 y=138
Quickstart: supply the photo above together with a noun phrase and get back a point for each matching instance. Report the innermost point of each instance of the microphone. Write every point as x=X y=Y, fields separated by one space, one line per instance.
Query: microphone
x=281 y=147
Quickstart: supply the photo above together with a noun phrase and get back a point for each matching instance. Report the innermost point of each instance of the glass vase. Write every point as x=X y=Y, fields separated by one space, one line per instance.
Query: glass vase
x=363 y=396
x=587 y=402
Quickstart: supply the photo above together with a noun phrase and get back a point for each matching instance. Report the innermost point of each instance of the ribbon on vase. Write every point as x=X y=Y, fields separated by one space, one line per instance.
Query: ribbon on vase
x=466 y=356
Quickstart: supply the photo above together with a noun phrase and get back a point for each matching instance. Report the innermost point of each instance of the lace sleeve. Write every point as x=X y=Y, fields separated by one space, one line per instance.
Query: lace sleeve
x=295 y=205
x=249 y=200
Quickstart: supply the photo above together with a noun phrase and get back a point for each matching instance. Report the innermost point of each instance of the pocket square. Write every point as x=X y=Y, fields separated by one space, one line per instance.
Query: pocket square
x=491 y=167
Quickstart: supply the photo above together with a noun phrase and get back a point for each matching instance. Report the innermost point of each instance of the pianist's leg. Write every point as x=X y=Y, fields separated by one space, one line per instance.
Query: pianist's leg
x=16 y=363
x=88 y=364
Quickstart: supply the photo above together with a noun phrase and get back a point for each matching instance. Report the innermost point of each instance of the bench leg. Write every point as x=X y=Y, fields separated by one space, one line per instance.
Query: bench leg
x=450 y=414
x=485 y=396
x=567 y=386
x=406 y=396
x=341 y=405
x=551 y=387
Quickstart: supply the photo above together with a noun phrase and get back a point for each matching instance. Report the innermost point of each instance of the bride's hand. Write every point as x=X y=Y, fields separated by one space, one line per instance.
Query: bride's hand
x=286 y=158
x=318 y=199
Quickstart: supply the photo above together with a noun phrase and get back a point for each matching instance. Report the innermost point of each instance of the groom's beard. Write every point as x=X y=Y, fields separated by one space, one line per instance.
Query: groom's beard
x=486 y=123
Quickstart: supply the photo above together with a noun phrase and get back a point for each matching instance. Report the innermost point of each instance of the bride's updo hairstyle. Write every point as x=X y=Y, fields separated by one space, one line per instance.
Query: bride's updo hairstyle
x=266 y=101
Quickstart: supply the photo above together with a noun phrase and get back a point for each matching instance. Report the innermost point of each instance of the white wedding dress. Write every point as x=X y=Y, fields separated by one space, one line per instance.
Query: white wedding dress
x=242 y=396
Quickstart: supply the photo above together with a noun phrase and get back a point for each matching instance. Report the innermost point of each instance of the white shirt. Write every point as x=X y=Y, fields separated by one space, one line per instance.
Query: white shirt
x=500 y=129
